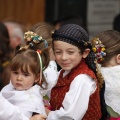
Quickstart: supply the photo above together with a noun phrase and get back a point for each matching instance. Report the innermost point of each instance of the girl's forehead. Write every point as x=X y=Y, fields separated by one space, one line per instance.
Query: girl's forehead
x=65 y=45
x=22 y=66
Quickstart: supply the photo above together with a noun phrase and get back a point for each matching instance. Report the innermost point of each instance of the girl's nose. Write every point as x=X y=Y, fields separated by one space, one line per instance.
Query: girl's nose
x=19 y=77
x=64 y=56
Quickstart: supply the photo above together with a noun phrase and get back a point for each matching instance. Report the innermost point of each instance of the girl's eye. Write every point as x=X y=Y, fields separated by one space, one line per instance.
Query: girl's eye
x=57 y=52
x=15 y=72
x=26 y=74
x=70 y=52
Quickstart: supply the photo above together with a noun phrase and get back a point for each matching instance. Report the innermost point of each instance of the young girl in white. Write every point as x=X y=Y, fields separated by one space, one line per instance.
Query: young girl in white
x=108 y=49
x=26 y=78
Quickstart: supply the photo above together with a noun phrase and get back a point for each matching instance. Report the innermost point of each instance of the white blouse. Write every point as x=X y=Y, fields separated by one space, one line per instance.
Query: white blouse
x=75 y=103
x=112 y=86
x=51 y=75
x=29 y=101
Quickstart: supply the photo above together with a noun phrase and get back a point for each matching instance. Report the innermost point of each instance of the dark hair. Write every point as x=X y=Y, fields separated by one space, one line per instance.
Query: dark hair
x=4 y=31
x=25 y=57
x=4 y=42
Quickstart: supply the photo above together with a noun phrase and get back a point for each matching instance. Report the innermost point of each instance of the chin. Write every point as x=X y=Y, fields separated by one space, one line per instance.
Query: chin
x=66 y=68
x=19 y=89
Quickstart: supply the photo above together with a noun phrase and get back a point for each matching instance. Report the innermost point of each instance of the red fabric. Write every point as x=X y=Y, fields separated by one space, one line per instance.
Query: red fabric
x=63 y=84
x=114 y=118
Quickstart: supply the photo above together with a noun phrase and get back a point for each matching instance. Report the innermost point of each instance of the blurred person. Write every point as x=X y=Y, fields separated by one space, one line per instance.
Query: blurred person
x=16 y=34
x=5 y=51
x=43 y=31
x=106 y=46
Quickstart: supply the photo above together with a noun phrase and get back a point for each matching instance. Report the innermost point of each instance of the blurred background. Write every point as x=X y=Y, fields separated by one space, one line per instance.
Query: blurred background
x=95 y=15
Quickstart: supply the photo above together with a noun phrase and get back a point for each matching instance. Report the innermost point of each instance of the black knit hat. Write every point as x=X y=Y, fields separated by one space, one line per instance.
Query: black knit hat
x=72 y=34
x=76 y=35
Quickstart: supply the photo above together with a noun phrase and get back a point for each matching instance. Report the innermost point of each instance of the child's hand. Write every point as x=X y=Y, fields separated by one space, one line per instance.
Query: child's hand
x=47 y=110
x=38 y=117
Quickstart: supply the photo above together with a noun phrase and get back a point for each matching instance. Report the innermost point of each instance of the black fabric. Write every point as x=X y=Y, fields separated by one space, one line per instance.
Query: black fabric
x=103 y=105
x=90 y=60
x=71 y=33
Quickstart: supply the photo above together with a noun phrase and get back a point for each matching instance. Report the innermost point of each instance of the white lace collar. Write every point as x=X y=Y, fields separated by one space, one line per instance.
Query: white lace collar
x=112 y=86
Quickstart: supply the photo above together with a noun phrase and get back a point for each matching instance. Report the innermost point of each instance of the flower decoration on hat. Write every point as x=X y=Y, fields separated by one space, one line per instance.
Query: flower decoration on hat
x=99 y=49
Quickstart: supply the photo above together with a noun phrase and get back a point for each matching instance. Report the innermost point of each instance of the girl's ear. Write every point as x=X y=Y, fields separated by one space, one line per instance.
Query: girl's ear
x=118 y=59
x=37 y=79
x=85 y=53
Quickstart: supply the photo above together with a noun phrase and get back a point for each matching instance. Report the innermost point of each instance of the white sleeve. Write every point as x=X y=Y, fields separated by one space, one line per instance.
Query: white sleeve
x=75 y=103
x=51 y=73
x=9 y=111
x=51 y=76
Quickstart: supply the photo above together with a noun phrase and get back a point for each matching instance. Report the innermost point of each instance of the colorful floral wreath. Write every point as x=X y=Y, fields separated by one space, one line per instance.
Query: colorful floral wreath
x=99 y=49
x=31 y=36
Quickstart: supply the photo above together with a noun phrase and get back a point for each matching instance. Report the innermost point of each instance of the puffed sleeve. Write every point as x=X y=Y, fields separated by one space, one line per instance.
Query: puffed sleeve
x=51 y=76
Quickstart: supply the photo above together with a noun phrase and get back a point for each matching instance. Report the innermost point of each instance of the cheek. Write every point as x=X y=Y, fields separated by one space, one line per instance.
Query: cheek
x=12 y=77
x=76 y=58
x=30 y=82
x=13 y=81
x=57 y=57
x=27 y=85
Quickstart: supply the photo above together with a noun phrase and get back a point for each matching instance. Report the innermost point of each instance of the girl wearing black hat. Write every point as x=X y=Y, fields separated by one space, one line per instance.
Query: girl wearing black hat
x=76 y=94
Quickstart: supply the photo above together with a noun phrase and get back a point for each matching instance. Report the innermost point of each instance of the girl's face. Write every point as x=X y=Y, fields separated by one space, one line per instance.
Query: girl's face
x=67 y=56
x=23 y=80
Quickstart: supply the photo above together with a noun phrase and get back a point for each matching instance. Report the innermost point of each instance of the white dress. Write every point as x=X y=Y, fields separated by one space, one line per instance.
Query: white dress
x=76 y=99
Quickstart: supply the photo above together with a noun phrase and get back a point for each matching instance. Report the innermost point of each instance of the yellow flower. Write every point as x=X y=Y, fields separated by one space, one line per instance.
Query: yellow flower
x=103 y=49
x=94 y=49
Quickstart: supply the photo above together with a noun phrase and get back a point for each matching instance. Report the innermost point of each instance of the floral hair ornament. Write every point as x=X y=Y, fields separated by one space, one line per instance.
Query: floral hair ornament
x=99 y=49
x=31 y=37
x=41 y=65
